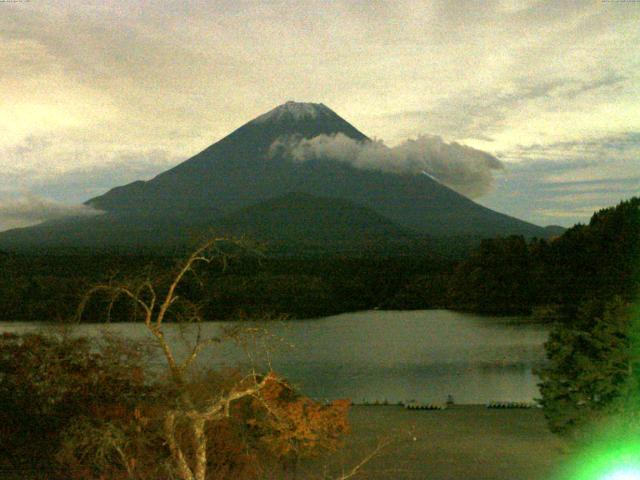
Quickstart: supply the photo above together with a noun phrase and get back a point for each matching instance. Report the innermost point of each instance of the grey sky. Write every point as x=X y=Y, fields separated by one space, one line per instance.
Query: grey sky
x=100 y=94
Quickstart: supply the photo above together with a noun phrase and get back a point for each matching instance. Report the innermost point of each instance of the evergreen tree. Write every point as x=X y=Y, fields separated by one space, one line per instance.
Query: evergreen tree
x=589 y=365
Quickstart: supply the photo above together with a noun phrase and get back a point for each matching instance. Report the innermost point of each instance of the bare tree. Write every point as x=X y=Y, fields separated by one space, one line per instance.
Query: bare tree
x=189 y=453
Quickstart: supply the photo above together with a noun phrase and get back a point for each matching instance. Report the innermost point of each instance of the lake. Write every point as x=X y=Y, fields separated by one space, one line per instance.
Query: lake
x=380 y=355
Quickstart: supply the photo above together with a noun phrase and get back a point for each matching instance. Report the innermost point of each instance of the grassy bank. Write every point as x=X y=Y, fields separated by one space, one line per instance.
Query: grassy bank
x=462 y=442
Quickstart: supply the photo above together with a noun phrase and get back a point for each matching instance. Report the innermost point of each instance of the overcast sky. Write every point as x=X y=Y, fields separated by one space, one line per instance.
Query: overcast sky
x=95 y=95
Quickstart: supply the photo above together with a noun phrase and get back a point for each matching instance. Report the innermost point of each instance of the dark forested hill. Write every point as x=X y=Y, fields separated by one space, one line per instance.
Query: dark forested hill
x=598 y=260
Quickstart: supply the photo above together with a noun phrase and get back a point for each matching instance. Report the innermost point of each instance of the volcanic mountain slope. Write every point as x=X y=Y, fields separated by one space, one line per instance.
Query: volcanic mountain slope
x=242 y=171
x=300 y=217
x=233 y=173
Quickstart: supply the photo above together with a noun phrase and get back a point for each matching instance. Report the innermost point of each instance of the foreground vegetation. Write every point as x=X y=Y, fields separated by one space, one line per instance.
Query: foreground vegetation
x=73 y=410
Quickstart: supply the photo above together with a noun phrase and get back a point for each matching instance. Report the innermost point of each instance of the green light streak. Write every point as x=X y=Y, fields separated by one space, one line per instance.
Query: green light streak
x=605 y=461
x=624 y=474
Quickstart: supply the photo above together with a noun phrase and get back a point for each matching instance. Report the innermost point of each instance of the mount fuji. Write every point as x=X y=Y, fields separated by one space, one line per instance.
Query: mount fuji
x=241 y=185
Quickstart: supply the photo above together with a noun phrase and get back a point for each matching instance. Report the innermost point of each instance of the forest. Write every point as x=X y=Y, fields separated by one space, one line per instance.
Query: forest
x=45 y=287
x=503 y=276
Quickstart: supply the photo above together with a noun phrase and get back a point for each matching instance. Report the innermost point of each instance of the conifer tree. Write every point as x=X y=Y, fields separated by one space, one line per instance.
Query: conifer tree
x=589 y=365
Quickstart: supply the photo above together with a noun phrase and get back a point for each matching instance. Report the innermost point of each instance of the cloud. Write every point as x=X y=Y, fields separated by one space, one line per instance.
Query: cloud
x=482 y=114
x=583 y=198
x=74 y=169
x=532 y=189
x=610 y=171
x=625 y=145
x=30 y=210
x=627 y=186
x=462 y=168
x=570 y=213
x=595 y=159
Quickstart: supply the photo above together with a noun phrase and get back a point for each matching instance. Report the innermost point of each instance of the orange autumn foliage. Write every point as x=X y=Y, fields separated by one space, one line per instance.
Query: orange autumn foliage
x=262 y=435
x=295 y=425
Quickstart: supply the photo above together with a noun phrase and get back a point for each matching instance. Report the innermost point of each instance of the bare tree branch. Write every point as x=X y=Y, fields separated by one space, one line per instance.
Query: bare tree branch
x=170 y=435
x=374 y=453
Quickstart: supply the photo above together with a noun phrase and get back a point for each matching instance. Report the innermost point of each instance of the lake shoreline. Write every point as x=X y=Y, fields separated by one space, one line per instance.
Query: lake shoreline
x=508 y=317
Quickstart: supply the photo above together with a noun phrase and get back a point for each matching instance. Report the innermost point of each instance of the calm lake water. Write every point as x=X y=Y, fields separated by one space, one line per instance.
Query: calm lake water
x=380 y=355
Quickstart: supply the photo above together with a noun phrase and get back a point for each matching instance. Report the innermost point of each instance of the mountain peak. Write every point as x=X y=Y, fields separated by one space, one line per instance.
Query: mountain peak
x=295 y=111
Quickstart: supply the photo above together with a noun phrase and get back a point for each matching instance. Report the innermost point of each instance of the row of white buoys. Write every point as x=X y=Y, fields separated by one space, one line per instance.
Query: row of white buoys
x=510 y=405
x=425 y=406
x=415 y=405
x=374 y=403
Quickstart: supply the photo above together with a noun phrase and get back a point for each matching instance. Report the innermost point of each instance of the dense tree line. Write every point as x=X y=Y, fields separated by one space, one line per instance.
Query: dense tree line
x=597 y=260
x=507 y=275
x=49 y=287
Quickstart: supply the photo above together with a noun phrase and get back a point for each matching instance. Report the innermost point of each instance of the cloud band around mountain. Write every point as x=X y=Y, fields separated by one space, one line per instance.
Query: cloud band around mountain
x=464 y=169
x=30 y=210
